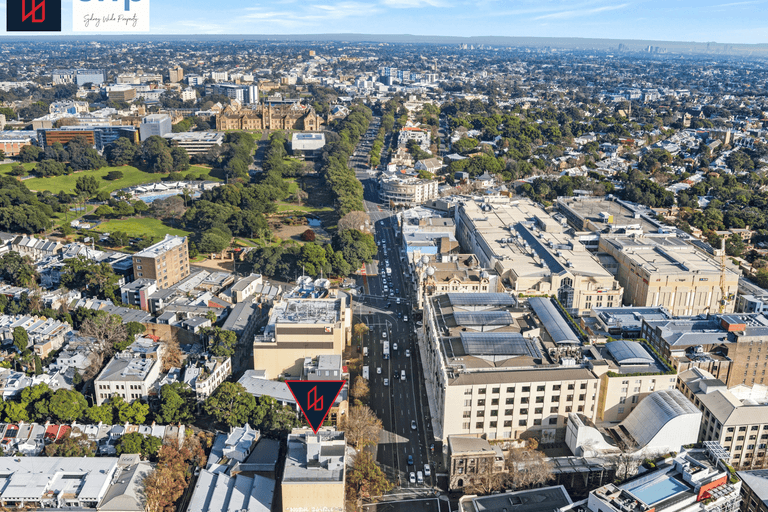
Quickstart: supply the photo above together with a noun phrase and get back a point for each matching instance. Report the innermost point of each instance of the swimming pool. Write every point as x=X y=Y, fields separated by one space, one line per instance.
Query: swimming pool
x=658 y=490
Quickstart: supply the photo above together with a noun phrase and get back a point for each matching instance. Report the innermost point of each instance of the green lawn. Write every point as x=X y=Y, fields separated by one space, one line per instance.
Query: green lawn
x=139 y=227
x=4 y=168
x=131 y=177
x=287 y=207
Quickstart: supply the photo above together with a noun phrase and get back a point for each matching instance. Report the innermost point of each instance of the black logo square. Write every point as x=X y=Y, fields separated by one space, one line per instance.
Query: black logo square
x=33 y=15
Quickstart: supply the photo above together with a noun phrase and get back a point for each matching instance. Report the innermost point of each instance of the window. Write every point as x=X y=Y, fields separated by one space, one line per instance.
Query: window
x=621 y=410
x=494 y=424
x=496 y=390
x=581 y=408
x=556 y=387
x=553 y=410
x=634 y=399
x=582 y=398
x=742 y=429
x=555 y=398
x=570 y=386
x=495 y=412
x=637 y=390
x=553 y=421
x=524 y=411
x=538 y=410
x=540 y=388
x=467 y=403
x=468 y=391
x=508 y=423
x=467 y=414
x=622 y=399
x=537 y=421
x=623 y=390
x=480 y=414
x=583 y=385
x=510 y=401
x=479 y=424
x=508 y=412
x=526 y=389
x=522 y=423
x=511 y=389
x=481 y=402
x=495 y=401
x=524 y=400
x=569 y=398
x=740 y=438
x=568 y=408
x=539 y=399
x=755 y=427
x=728 y=439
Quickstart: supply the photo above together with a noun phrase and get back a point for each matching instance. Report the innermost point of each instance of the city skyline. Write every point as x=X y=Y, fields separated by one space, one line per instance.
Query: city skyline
x=740 y=22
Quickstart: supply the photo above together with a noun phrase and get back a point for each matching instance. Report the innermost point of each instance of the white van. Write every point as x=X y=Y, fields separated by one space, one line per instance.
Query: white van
x=419 y=477
x=402 y=375
x=365 y=351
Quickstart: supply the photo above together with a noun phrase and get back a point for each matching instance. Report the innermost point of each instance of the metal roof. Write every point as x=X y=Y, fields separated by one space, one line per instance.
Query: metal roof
x=553 y=321
x=498 y=344
x=483 y=318
x=629 y=352
x=481 y=299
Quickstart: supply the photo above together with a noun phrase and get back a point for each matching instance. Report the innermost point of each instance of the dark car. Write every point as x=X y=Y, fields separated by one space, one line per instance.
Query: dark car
x=410 y=460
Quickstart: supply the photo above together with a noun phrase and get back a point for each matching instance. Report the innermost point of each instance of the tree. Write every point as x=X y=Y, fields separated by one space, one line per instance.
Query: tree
x=132 y=329
x=221 y=342
x=360 y=389
x=100 y=414
x=361 y=427
x=272 y=418
x=29 y=153
x=180 y=159
x=86 y=185
x=360 y=330
x=73 y=444
x=98 y=278
x=67 y=406
x=230 y=404
x=627 y=463
x=155 y=155
x=176 y=404
x=146 y=446
x=18 y=270
x=734 y=245
x=308 y=236
x=103 y=211
x=109 y=331
x=355 y=220
x=167 y=483
x=213 y=241
x=172 y=357
x=15 y=412
x=113 y=175
x=528 y=467
x=121 y=152
x=169 y=208
x=20 y=339
x=365 y=480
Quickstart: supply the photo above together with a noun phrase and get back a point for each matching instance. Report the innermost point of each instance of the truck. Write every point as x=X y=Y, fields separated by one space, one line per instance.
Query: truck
x=366 y=373
x=386 y=350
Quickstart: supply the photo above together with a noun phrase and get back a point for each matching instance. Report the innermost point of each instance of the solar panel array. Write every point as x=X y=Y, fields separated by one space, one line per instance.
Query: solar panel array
x=629 y=352
x=483 y=318
x=481 y=299
x=553 y=321
x=498 y=344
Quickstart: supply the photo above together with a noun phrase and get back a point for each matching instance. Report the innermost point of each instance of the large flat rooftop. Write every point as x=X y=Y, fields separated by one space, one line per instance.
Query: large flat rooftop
x=527 y=242
x=594 y=213
x=163 y=246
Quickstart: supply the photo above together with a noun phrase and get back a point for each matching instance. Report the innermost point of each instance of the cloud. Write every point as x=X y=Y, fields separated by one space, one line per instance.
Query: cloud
x=190 y=27
x=562 y=15
x=734 y=4
x=413 y=4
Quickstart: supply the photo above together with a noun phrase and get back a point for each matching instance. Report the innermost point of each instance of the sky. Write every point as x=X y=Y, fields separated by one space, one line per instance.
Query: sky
x=719 y=21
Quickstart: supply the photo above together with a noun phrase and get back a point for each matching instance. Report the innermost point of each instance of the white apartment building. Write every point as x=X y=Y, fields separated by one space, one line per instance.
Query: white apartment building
x=129 y=377
x=406 y=191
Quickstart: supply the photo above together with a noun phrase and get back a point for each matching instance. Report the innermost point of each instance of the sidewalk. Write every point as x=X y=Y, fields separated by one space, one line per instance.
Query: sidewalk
x=429 y=385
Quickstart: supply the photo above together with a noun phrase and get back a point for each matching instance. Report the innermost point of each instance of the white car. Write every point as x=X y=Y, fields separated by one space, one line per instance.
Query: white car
x=378 y=370
x=384 y=334
x=386 y=382
x=394 y=346
x=426 y=470
x=407 y=353
x=412 y=478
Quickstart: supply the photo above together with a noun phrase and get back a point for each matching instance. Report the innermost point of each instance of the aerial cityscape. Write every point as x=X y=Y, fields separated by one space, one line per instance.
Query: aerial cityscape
x=474 y=269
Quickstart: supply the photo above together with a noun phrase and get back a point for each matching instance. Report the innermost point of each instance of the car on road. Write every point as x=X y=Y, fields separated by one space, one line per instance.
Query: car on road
x=397 y=291
x=407 y=353
x=384 y=335
x=389 y=304
x=398 y=300
x=386 y=382
x=427 y=472
x=410 y=460
x=402 y=375
x=412 y=478
x=394 y=346
x=378 y=370
x=405 y=318
x=413 y=424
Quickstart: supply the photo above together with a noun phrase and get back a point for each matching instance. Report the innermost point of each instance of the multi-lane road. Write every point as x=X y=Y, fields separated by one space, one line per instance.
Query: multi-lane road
x=385 y=306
